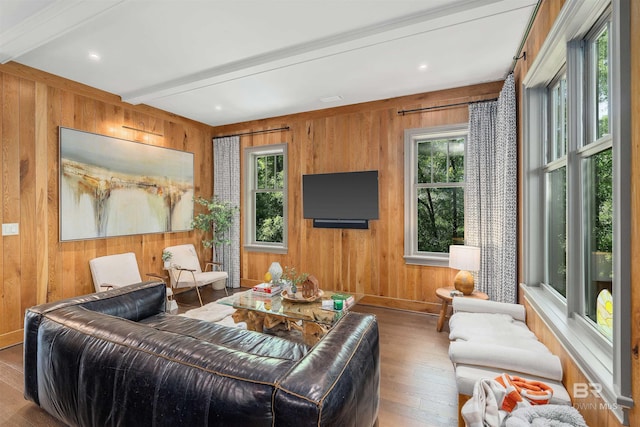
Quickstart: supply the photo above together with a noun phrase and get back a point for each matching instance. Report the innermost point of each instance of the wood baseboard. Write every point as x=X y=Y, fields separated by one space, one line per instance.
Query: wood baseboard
x=402 y=304
x=11 y=338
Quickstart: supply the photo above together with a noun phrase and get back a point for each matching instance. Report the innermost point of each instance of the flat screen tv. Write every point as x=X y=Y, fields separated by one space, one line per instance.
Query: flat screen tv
x=341 y=200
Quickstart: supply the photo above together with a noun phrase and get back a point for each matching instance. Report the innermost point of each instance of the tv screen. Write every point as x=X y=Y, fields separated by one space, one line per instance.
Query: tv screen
x=347 y=195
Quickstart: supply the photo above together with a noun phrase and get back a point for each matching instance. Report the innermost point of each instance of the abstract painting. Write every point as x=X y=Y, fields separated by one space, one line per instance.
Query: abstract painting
x=114 y=187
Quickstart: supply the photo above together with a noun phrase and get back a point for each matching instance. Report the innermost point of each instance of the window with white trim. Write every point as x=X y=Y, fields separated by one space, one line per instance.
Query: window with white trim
x=576 y=200
x=265 y=198
x=555 y=171
x=434 y=192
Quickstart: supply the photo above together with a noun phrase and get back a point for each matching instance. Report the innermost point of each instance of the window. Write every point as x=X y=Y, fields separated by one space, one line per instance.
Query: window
x=576 y=200
x=266 y=198
x=596 y=178
x=434 y=191
x=555 y=171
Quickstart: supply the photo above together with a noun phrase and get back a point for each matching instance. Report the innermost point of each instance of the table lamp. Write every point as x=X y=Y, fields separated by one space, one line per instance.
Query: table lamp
x=465 y=259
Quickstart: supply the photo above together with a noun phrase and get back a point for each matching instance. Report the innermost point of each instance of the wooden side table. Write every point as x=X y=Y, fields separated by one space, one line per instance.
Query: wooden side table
x=445 y=295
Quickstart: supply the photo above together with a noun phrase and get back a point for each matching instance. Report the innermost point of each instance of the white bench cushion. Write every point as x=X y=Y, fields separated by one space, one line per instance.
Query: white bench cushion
x=499 y=329
x=539 y=363
x=467 y=376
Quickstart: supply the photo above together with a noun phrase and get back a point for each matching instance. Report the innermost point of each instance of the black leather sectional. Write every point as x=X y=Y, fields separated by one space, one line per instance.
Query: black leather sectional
x=116 y=358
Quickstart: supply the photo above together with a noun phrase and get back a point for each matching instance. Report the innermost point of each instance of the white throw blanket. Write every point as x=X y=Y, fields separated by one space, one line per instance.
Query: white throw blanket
x=482 y=410
x=546 y=416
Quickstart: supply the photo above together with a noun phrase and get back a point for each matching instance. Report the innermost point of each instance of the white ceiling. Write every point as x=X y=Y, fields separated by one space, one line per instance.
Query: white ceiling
x=228 y=61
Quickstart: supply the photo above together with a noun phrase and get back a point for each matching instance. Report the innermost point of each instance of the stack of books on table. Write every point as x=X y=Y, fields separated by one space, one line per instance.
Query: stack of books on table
x=267 y=289
x=347 y=299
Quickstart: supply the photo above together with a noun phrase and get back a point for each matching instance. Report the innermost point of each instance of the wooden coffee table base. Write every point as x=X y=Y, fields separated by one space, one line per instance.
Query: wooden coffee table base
x=311 y=332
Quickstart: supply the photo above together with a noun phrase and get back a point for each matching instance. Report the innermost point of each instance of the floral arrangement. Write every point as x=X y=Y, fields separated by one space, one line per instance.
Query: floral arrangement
x=294 y=278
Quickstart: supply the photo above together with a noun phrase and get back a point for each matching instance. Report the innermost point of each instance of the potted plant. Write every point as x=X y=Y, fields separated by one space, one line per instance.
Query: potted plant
x=293 y=278
x=166 y=258
x=217 y=219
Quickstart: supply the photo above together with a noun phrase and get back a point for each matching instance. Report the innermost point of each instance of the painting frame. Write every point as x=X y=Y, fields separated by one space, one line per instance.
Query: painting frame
x=111 y=187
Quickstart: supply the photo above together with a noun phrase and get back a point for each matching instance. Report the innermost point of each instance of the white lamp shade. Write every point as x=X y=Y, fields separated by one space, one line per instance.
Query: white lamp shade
x=464 y=257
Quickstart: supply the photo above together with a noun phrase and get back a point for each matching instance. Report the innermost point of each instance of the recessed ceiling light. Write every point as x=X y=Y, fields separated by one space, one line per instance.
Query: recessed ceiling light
x=94 y=56
x=217 y=108
x=331 y=98
x=422 y=67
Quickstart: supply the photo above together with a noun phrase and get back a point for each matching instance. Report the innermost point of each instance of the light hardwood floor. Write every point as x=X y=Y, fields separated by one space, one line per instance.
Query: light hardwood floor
x=417 y=386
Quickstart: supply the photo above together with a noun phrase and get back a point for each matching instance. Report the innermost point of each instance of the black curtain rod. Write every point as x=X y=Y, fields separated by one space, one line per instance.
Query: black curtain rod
x=253 y=132
x=519 y=53
x=436 y=107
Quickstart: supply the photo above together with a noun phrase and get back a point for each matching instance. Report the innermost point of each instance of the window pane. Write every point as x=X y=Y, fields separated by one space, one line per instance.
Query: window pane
x=279 y=161
x=424 y=162
x=440 y=160
x=263 y=171
x=602 y=83
x=558 y=137
x=269 y=217
x=599 y=193
x=440 y=218
x=270 y=172
x=557 y=230
x=456 y=160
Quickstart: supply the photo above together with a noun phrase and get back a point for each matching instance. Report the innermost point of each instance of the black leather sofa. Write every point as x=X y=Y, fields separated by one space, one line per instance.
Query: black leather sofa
x=116 y=358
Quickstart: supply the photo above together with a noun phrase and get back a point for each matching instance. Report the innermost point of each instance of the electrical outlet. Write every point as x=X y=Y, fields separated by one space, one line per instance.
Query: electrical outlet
x=11 y=229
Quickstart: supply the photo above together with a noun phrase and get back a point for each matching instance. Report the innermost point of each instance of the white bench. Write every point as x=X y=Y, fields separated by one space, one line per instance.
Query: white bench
x=489 y=338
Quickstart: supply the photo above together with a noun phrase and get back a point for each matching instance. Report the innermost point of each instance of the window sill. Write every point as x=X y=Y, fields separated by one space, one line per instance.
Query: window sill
x=430 y=260
x=592 y=354
x=272 y=249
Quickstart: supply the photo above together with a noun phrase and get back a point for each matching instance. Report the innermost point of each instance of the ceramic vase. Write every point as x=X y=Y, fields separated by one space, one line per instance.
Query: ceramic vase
x=276 y=272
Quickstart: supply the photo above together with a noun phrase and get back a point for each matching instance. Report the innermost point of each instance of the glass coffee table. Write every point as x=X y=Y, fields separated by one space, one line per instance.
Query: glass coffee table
x=261 y=311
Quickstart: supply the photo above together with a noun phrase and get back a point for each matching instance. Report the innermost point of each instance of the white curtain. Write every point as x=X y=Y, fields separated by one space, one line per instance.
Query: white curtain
x=226 y=186
x=491 y=193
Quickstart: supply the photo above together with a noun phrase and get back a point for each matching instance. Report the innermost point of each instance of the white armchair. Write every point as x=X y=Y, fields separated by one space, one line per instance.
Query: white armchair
x=185 y=270
x=113 y=271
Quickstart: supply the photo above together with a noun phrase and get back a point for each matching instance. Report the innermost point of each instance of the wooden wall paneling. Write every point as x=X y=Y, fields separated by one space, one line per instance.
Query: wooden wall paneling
x=635 y=206
x=365 y=136
x=374 y=141
x=54 y=255
x=296 y=145
x=27 y=205
x=4 y=329
x=68 y=279
x=11 y=202
x=85 y=119
x=40 y=161
x=386 y=200
x=3 y=311
x=395 y=162
x=35 y=266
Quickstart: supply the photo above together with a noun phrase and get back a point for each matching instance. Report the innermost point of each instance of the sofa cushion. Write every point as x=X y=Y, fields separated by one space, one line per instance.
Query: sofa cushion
x=231 y=338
